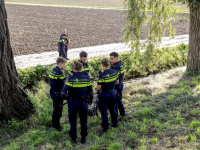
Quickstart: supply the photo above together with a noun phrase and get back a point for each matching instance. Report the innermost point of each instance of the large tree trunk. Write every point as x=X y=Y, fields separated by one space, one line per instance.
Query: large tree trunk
x=193 y=62
x=14 y=102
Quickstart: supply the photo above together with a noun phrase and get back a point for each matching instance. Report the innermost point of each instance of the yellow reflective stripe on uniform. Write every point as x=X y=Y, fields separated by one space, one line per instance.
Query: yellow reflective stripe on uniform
x=61 y=77
x=110 y=80
x=122 y=71
x=100 y=80
x=69 y=84
x=111 y=77
x=53 y=77
x=85 y=69
x=80 y=84
x=61 y=40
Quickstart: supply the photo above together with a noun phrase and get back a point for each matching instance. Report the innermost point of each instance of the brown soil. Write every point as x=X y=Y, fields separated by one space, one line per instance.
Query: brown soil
x=36 y=29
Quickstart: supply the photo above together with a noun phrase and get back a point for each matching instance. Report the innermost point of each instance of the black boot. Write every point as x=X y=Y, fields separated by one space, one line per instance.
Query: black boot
x=102 y=131
x=59 y=128
x=83 y=140
x=114 y=126
x=73 y=140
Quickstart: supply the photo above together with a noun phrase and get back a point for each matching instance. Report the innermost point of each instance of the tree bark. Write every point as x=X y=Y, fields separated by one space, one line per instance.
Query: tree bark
x=193 y=62
x=14 y=102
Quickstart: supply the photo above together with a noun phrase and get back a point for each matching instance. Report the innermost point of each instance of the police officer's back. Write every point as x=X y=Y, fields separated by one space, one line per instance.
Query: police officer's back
x=118 y=66
x=56 y=80
x=78 y=87
x=106 y=83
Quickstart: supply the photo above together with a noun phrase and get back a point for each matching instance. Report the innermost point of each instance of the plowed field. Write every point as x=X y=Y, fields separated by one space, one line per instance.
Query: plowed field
x=36 y=29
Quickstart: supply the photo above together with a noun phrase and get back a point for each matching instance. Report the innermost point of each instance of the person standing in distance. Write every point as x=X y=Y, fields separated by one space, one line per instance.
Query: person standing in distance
x=57 y=80
x=63 y=44
x=117 y=65
x=106 y=83
x=78 y=87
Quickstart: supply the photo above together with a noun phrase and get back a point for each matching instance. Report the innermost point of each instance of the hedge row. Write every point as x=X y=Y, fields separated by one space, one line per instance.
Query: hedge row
x=161 y=60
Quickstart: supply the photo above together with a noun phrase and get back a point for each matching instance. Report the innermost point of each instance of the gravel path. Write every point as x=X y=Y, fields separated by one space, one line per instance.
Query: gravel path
x=48 y=58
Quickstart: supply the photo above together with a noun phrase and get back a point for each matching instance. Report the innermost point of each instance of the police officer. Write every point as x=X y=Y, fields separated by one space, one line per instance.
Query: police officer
x=63 y=43
x=78 y=87
x=119 y=66
x=83 y=60
x=56 y=80
x=106 y=83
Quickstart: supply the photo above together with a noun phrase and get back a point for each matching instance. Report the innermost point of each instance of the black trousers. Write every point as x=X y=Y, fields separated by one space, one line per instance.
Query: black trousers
x=63 y=53
x=57 y=110
x=73 y=108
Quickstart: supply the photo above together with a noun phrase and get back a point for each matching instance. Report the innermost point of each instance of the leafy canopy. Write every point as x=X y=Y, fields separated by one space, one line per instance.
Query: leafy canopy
x=159 y=14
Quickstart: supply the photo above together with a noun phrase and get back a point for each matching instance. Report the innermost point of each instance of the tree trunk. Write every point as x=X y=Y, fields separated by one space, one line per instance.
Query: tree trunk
x=193 y=62
x=14 y=102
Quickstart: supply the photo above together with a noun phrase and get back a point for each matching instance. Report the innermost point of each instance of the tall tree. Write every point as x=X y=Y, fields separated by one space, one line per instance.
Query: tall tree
x=159 y=14
x=14 y=102
x=193 y=62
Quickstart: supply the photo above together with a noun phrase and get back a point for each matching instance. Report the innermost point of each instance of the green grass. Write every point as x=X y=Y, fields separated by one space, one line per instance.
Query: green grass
x=90 y=4
x=160 y=115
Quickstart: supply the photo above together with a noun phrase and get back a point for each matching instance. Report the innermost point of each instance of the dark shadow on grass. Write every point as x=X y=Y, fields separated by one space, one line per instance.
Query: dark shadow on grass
x=165 y=111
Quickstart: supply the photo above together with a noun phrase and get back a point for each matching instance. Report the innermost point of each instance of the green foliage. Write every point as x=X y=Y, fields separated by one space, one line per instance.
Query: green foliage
x=179 y=119
x=95 y=146
x=132 y=135
x=143 y=129
x=168 y=142
x=170 y=97
x=154 y=141
x=115 y=145
x=198 y=131
x=194 y=124
x=158 y=120
x=138 y=104
x=30 y=76
x=145 y=113
x=191 y=137
x=161 y=18
x=142 y=141
x=165 y=58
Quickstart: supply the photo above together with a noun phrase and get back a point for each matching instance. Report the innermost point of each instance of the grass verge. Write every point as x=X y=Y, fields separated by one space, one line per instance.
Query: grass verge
x=154 y=119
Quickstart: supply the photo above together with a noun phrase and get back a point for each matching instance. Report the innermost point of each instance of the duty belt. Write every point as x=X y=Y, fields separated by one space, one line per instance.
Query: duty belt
x=108 y=90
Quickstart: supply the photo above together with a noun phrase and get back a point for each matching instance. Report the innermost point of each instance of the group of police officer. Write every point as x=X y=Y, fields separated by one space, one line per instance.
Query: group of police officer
x=77 y=89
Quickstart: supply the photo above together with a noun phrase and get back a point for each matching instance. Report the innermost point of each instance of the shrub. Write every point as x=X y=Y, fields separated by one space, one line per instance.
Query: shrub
x=162 y=60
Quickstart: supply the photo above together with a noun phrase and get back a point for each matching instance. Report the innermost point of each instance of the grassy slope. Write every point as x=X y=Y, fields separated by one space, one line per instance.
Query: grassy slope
x=109 y=4
x=115 y=4
x=161 y=114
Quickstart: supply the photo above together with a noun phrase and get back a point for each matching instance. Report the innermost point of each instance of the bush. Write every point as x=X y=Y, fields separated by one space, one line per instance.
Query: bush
x=161 y=60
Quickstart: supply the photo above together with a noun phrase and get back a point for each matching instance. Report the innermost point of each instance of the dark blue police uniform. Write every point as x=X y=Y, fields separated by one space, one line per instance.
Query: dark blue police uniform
x=62 y=47
x=107 y=97
x=85 y=70
x=119 y=66
x=56 y=80
x=78 y=86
